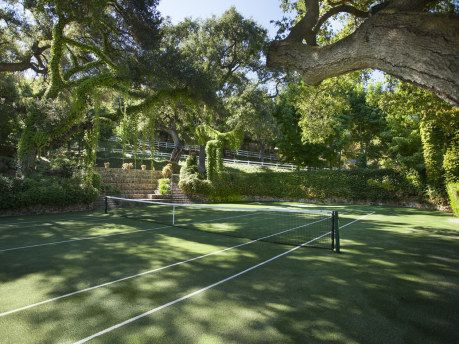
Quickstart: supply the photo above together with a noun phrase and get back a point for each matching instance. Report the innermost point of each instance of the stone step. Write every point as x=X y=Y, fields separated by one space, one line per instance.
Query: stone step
x=132 y=185
x=129 y=181
x=135 y=196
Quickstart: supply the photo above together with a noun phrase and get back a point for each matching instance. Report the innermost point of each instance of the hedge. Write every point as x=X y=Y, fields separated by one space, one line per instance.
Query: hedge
x=453 y=193
x=16 y=193
x=352 y=185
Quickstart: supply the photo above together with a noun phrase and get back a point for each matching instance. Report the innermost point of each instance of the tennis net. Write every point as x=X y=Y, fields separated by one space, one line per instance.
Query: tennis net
x=289 y=226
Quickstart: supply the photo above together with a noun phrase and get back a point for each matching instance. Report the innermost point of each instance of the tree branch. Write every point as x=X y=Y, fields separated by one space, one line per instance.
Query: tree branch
x=418 y=47
x=26 y=62
x=304 y=28
x=339 y=9
x=81 y=68
x=96 y=51
x=408 y=5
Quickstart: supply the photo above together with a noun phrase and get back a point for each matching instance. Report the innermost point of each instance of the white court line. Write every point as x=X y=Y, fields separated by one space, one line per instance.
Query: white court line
x=102 y=236
x=190 y=295
x=45 y=222
x=358 y=219
x=155 y=270
x=80 y=239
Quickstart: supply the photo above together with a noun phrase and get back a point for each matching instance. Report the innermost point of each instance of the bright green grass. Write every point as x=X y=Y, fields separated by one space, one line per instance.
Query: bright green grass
x=396 y=281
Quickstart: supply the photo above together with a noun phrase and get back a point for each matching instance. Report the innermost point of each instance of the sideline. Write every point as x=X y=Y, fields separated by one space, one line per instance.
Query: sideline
x=358 y=219
x=47 y=222
x=104 y=235
x=79 y=239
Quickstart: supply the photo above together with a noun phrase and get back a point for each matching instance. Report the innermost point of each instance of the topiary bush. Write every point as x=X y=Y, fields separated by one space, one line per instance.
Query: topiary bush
x=164 y=186
x=167 y=171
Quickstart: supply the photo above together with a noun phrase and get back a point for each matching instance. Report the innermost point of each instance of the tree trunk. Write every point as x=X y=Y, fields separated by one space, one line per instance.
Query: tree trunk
x=202 y=159
x=418 y=47
x=262 y=153
x=177 y=151
x=26 y=163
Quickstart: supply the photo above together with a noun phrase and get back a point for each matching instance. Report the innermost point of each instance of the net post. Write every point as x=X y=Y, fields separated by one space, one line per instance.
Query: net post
x=106 y=204
x=173 y=215
x=335 y=232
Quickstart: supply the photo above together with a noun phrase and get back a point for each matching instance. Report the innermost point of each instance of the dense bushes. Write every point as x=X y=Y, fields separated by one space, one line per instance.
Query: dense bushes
x=191 y=181
x=18 y=193
x=451 y=164
x=453 y=193
x=352 y=185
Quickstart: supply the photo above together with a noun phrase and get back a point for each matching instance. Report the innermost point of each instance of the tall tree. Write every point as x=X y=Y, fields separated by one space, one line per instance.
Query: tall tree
x=438 y=129
x=228 y=52
x=292 y=147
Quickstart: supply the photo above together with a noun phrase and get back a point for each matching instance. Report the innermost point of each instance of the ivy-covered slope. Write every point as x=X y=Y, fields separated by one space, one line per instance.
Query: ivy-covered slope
x=360 y=185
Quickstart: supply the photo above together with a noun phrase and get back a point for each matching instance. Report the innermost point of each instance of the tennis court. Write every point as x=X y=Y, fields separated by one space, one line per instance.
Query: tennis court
x=230 y=274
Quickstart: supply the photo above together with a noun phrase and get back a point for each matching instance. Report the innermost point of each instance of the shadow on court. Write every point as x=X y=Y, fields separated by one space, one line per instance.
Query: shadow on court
x=395 y=282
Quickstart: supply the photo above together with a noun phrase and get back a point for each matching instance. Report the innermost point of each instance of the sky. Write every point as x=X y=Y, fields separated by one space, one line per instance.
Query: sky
x=262 y=11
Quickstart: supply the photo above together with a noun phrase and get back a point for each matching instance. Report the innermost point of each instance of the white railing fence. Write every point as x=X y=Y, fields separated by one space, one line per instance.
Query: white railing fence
x=147 y=153
x=195 y=148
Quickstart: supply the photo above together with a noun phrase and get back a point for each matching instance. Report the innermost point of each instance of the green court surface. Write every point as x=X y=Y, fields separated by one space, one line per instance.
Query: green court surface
x=77 y=277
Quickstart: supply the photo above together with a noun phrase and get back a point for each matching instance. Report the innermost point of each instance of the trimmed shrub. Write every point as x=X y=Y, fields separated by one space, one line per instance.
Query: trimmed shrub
x=453 y=193
x=167 y=171
x=164 y=186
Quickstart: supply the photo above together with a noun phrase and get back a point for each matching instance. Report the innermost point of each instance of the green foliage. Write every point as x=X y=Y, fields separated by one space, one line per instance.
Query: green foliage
x=18 y=193
x=359 y=185
x=451 y=163
x=11 y=111
x=91 y=143
x=60 y=166
x=453 y=193
x=214 y=161
x=232 y=139
x=191 y=165
x=290 y=144
x=402 y=135
x=216 y=141
x=164 y=186
x=364 y=123
x=438 y=127
x=334 y=123
x=225 y=47
x=252 y=109
x=191 y=181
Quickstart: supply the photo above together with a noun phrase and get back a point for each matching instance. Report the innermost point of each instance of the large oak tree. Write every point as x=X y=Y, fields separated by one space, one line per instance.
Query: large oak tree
x=413 y=40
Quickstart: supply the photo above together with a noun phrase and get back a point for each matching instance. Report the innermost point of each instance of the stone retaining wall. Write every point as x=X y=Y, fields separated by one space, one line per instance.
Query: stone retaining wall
x=130 y=183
